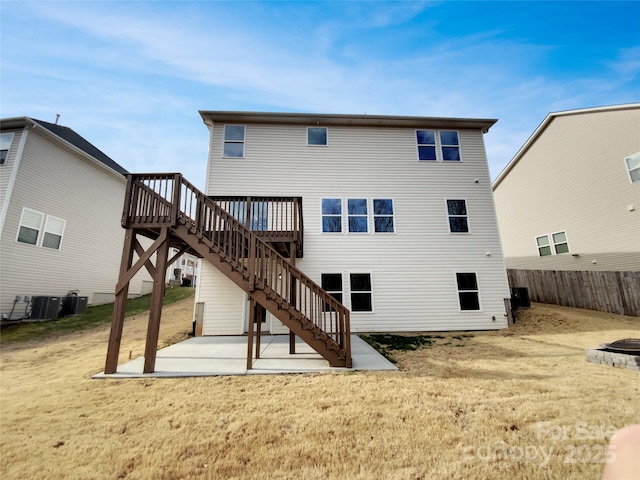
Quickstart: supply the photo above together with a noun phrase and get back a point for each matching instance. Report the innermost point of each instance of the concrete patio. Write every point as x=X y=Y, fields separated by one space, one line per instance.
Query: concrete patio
x=215 y=356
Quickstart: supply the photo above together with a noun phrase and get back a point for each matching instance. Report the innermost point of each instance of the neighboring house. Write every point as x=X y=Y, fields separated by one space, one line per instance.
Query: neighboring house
x=184 y=271
x=398 y=215
x=570 y=198
x=61 y=205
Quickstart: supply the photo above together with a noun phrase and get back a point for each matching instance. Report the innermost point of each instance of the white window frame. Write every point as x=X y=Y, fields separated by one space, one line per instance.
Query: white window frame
x=342 y=291
x=43 y=229
x=555 y=244
x=635 y=157
x=548 y=245
x=6 y=139
x=552 y=244
x=242 y=142
x=359 y=215
x=40 y=228
x=322 y=215
x=374 y=215
x=46 y=231
x=326 y=136
x=466 y=207
x=438 y=145
x=351 y=292
x=476 y=291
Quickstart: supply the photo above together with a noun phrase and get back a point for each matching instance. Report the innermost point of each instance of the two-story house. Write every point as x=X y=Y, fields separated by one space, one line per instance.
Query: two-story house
x=397 y=215
x=569 y=202
x=60 y=209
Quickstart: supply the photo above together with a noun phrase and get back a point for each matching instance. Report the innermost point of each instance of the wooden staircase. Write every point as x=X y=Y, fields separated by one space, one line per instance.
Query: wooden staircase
x=171 y=211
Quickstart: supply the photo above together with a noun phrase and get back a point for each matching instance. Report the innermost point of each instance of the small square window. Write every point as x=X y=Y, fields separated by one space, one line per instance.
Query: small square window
x=316 y=135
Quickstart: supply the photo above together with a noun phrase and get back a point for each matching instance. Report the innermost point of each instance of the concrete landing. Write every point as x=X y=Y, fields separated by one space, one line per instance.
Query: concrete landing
x=215 y=356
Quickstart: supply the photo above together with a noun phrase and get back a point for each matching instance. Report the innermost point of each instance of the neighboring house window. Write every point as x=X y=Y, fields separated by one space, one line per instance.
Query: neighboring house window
x=426 y=144
x=468 y=292
x=383 y=215
x=458 y=220
x=332 y=215
x=544 y=248
x=30 y=226
x=332 y=284
x=53 y=231
x=5 y=145
x=633 y=166
x=560 y=244
x=361 y=300
x=450 y=146
x=443 y=145
x=233 y=141
x=316 y=135
x=357 y=215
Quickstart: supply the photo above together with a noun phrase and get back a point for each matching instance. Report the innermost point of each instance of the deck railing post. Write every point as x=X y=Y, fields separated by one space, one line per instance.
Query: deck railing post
x=175 y=204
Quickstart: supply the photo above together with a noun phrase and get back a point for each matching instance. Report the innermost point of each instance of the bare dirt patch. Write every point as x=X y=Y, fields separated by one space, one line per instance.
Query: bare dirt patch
x=520 y=403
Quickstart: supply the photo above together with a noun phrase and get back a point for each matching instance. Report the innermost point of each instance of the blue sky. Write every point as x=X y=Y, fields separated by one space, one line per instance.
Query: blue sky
x=131 y=76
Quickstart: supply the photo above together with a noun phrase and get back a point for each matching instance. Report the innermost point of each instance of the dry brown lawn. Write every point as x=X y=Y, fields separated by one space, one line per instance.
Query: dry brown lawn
x=521 y=403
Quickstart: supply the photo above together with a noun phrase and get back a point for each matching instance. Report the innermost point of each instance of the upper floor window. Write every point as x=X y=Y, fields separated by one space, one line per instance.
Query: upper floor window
x=633 y=167
x=33 y=223
x=30 y=226
x=332 y=215
x=458 y=219
x=316 y=135
x=233 y=141
x=5 y=145
x=557 y=245
x=383 y=215
x=357 y=215
x=468 y=292
x=442 y=145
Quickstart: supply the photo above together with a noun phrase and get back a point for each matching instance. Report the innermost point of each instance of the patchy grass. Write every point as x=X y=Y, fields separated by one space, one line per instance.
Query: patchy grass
x=521 y=403
x=386 y=344
x=95 y=315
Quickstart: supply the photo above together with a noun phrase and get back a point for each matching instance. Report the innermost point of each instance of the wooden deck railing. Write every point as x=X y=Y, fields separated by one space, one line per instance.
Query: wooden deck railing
x=156 y=200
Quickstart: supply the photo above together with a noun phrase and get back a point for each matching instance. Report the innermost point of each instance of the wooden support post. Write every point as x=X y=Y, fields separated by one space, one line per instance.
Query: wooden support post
x=252 y=318
x=157 y=297
x=292 y=342
x=120 y=304
x=259 y=315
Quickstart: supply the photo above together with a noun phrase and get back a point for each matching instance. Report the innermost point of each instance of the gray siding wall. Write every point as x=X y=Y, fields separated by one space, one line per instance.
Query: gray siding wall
x=56 y=181
x=412 y=270
x=574 y=179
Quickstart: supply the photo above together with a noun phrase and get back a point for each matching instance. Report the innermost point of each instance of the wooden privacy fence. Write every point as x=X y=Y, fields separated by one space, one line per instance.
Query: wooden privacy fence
x=613 y=292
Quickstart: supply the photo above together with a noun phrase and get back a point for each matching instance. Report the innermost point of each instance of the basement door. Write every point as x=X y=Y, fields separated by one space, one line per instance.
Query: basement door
x=261 y=315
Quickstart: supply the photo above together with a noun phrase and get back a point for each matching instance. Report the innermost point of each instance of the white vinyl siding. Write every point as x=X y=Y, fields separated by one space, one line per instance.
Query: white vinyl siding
x=89 y=199
x=414 y=289
x=224 y=303
x=572 y=178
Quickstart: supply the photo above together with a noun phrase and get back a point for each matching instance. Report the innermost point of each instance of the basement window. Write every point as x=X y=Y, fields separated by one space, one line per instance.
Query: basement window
x=332 y=284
